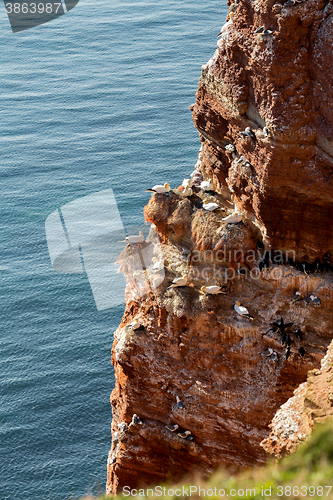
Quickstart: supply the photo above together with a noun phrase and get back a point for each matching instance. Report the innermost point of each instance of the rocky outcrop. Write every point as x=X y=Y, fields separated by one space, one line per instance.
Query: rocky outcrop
x=312 y=403
x=279 y=85
x=273 y=188
x=195 y=346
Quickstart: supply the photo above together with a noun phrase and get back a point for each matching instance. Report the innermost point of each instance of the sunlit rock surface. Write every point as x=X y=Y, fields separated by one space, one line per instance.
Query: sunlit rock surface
x=279 y=180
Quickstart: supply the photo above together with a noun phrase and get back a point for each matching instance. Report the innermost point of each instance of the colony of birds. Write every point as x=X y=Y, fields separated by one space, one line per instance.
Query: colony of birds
x=124 y=428
x=190 y=187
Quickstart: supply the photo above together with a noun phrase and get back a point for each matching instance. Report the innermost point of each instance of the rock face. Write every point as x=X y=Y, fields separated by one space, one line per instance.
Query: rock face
x=273 y=187
x=195 y=346
x=312 y=403
x=281 y=81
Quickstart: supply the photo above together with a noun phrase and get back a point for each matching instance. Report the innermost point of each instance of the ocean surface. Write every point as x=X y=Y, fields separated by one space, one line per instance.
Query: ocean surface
x=93 y=100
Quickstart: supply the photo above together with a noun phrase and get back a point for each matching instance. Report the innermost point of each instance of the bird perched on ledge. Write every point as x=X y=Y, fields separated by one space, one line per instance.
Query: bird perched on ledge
x=242 y=311
x=211 y=289
x=210 y=207
x=159 y=188
x=172 y=428
x=296 y=297
x=122 y=426
x=280 y=326
x=184 y=434
x=233 y=218
x=206 y=185
x=132 y=240
x=187 y=183
x=136 y=419
x=315 y=301
x=298 y=334
x=179 y=282
x=135 y=325
x=158 y=264
x=247 y=133
x=187 y=192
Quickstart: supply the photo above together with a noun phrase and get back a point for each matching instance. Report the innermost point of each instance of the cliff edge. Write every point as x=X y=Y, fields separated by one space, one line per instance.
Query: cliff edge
x=264 y=116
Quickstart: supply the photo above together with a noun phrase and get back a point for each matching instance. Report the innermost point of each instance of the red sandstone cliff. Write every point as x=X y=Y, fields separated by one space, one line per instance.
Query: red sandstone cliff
x=283 y=82
x=193 y=345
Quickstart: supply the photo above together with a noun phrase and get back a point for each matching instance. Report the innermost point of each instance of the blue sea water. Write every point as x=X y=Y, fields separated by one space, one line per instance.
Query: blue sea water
x=95 y=99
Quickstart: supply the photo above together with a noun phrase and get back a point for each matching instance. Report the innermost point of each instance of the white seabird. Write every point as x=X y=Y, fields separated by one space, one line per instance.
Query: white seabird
x=240 y=159
x=135 y=325
x=233 y=218
x=210 y=207
x=159 y=188
x=187 y=183
x=132 y=240
x=172 y=428
x=206 y=185
x=274 y=356
x=242 y=311
x=247 y=133
x=179 y=281
x=187 y=191
x=211 y=289
x=184 y=434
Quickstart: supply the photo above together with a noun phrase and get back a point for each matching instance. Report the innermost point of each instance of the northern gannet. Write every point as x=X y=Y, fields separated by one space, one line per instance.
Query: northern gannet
x=187 y=192
x=179 y=281
x=259 y=30
x=134 y=239
x=135 y=325
x=242 y=311
x=211 y=289
x=159 y=188
x=206 y=185
x=172 y=428
x=233 y=218
x=187 y=183
x=210 y=207
x=184 y=434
